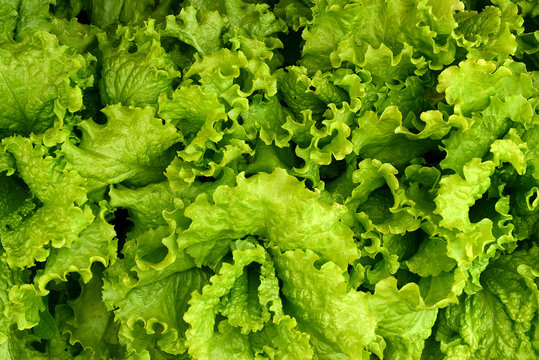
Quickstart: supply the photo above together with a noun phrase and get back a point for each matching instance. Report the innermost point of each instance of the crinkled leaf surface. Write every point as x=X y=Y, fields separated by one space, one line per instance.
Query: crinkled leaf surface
x=284 y=180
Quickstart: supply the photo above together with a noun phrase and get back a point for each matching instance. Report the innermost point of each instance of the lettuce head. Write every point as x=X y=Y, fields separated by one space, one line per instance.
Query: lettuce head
x=280 y=180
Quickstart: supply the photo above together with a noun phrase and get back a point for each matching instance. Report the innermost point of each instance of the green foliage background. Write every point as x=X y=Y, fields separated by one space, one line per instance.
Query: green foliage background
x=293 y=179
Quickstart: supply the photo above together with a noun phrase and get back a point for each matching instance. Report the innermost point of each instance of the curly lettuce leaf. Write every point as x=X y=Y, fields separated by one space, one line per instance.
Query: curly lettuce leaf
x=252 y=27
x=16 y=201
x=470 y=86
x=14 y=344
x=265 y=119
x=8 y=18
x=95 y=244
x=135 y=67
x=457 y=194
x=132 y=146
x=404 y=319
x=365 y=26
x=338 y=321
x=492 y=124
x=37 y=94
x=380 y=137
x=195 y=113
x=44 y=172
x=495 y=322
x=58 y=226
x=145 y=204
x=167 y=308
x=274 y=206
x=106 y=14
x=243 y=298
x=86 y=321
x=291 y=179
x=220 y=85
x=204 y=34
x=489 y=34
x=61 y=215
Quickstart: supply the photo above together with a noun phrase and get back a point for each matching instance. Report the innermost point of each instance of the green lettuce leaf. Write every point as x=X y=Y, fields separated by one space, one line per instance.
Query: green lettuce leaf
x=96 y=243
x=274 y=206
x=89 y=323
x=265 y=119
x=14 y=344
x=16 y=201
x=404 y=319
x=8 y=18
x=105 y=14
x=195 y=113
x=145 y=204
x=136 y=70
x=252 y=27
x=204 y=34
x=61 y=207
x=378 y=137
x=489 y=34
x=37 y=94
x=470 y=85
x=296 y=13
x=104 y=156
x=495 y=323
x=457 y=195
x=166 y=308
x=425 y=28
x=244 y=299
x=285 y=180
x=338 y=321
x=493 y=123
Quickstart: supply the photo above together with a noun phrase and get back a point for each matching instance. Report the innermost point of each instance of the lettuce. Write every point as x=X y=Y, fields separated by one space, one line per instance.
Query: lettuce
x=292 y=179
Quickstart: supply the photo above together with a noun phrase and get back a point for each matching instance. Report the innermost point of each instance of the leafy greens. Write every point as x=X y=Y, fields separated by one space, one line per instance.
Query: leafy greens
x=285 y=180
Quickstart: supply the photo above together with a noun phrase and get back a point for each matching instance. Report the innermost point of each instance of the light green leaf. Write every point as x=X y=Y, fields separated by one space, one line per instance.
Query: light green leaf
x=512 y=150
x=404 y=319
x=45 y=174
x=493 y=123
x=8 y=18
x=495 y=322
x=274 y=206
x=300 y=92
x=200 y=29
x=95 y=244
x=431 y=258
x=244 y=307
x=15 y=344
x=204 y=306
x=132 y=146
x=91 y=325
x=58 y=226
x=490 y=34
x=145 y=204
x=137 y=70
x=195 y=113
x=166 y=307
x=470 y=85
x=265 y=119
x=379 y=137
x=360 y=23
x=37 y=93
x=457 y=194
x=338 y=321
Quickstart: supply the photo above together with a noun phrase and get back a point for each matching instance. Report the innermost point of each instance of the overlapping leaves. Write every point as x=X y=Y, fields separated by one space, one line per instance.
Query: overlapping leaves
x=269 y=180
